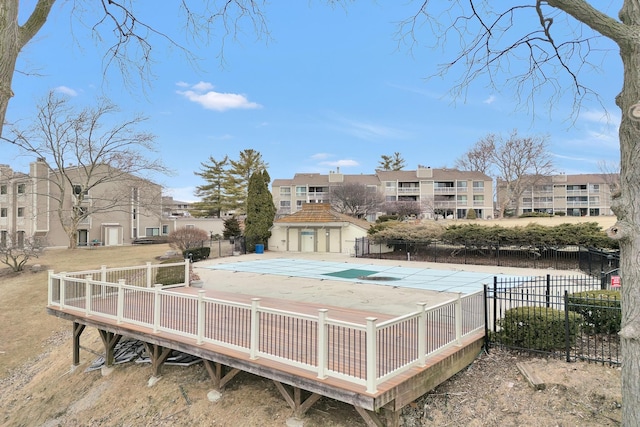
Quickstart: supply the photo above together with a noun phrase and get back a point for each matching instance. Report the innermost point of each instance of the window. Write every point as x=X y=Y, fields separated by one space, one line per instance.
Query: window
x=20 y=212
x=478 y=185
x=285 y=203
x=462 y=200
x=3 y=189
x=301 y=190
x=152 y=231
x=134 y=194
x=20 y=239
x=165 y=230
x=22 y=188
x=285 y=191
x=478 y=199
x=299 y=204
x=134 y=213
x=462 y=185
x=3 y=238
x=3 y=212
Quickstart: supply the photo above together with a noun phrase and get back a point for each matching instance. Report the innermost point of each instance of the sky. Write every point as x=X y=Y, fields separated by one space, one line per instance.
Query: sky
x=330 y=88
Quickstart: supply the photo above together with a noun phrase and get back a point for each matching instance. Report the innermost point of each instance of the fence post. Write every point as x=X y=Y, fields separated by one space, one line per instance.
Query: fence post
x=50 y=287
x=458 y=319
x=103 y=273
x=148 y=274
x=486 y=318
x=157 y=307
x=566 y=326
x=255 y=329
x=422 y=334
x=120 y=309
x=63 y=289
x=547 y=296
x=322 y=343
x=372 y=372
x=87 y=295
x=201 y=316
x=495 y=303
x=187 y=278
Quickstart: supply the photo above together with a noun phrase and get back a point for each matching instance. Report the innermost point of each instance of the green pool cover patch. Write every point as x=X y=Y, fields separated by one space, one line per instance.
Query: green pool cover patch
x=352 y=273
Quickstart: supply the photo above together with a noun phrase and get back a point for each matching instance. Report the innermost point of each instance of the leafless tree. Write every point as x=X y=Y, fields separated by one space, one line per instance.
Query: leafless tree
x=480 y=157
x=90 y=167
x=186 y=238
x=18 y=249
x=557 y=42
x=404 y=209
x=517 y=163
x=611 y=172
x=354 y=199
x=128 y=37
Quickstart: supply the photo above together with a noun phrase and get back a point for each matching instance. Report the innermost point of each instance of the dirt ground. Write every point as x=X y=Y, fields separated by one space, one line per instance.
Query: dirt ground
x=39 y=388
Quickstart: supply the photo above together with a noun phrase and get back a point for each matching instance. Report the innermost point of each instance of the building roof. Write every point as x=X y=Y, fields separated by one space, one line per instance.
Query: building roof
x=320 y=213
x=316 y=179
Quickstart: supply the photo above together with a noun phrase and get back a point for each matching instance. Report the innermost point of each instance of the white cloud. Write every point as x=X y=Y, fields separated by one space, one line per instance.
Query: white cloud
x=320 y=156
x=202 y=93
x=341 y=163
x=66 y=91
x=490 y=100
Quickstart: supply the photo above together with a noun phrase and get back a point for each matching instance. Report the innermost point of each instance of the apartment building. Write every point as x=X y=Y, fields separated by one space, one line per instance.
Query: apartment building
x=571 y=195
x=119 y=210
x=441 y=193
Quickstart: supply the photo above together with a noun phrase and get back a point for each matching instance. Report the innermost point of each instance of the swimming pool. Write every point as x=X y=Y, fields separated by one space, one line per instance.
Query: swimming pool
x=417 y=278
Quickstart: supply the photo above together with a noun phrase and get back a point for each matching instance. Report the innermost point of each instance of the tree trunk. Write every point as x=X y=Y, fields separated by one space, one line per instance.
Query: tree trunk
x=12 y=39
x=627 y=230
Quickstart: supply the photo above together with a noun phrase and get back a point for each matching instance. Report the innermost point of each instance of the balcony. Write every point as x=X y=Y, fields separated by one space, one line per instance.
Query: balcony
x=444 y=190
x=452 y=204
x=408 y=191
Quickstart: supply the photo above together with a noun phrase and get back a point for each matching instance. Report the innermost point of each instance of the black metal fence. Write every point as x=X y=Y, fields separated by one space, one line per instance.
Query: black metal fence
x=595 y=262
x=554 y=316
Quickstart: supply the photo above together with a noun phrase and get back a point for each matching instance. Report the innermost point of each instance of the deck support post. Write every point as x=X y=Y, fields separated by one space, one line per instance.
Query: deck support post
x=371 y=419
x=158 y=355
x=78 y=329
x=299 y=407
x=215 y=371
x=110 y=340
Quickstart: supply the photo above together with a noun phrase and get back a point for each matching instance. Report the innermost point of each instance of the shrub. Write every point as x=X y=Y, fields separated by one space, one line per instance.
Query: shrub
x=471 y=214
x=170 y=275
x=197 y=254
x=600 y=310
x=187 y=238
x=537 y=328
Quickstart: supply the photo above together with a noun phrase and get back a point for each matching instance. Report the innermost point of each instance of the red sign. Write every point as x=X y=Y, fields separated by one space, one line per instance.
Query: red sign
x=615 y=281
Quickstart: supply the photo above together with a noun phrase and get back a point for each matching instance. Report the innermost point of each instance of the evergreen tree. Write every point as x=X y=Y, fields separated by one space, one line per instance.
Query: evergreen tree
x=231 y=228
x=392 y=163
x=237 y=181
x=260 y=210
x=211 y=194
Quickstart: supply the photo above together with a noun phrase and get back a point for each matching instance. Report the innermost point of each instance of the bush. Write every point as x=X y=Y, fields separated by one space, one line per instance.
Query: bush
x=537 y=328
x=600 y=310
x=187 y=238
x=471 y=214
x=170 y=275
x=197 y=254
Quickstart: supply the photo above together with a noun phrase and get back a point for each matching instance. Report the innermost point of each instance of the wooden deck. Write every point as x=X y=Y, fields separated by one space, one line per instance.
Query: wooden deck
x=286 y=346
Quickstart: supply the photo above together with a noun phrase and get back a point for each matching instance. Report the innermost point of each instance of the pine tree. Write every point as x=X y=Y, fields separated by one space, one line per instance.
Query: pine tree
x=237 y=181
x=211 y=194
x=231 y=228
x=392 y=163
x=260 y=210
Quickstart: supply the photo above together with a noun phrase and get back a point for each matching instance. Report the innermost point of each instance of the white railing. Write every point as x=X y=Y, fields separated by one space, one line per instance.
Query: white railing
x=365 y=353
x=177 y=274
